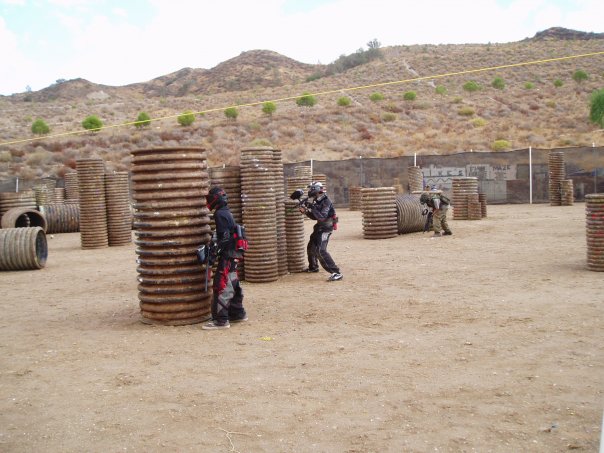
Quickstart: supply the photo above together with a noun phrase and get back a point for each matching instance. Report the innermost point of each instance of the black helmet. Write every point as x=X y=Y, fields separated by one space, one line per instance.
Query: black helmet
x=216 y=198
x=315 y=188
x=424 y=198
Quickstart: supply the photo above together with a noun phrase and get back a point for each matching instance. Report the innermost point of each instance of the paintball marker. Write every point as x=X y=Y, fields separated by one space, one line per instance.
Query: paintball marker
x=206 y=255
x=300 y=197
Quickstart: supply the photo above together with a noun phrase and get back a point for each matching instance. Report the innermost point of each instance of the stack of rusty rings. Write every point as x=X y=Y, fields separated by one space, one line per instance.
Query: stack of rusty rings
x=93 y=207
x=296 y=245
x=280 y=213
x=58 y=195
x=229 y=179
x=23 y=218
x=22 y=249
x=474 y=207
x=171 y=221
x=9 y=200
x=259 y=214
x=379 y=213
x=556 y=174
x=482 y=197
x=297 y=182
x=409 y=214
x=462 y=186
x=72 y=193
x=119 y=215
x=566 y=192
x=354 y=198
x=62 y=217
x=303 y=171
x=416 y=179
x=594 y=211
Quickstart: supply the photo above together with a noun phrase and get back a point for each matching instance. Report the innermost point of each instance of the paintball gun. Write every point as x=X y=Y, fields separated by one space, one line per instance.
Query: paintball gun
x=300 y=197
x=206 y=255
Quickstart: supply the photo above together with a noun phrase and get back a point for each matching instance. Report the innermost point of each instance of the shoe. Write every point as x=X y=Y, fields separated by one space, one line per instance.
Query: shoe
x=437 y=235
x=447 y=233
x=213 y=325
x=335 y=276
x=311 y=270
x=236 y=320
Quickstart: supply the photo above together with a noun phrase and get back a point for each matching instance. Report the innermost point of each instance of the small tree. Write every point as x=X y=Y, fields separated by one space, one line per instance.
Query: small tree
x=39 y=127
x=498 y=83
x=268 y=108
x=92 y=123
x=441 y=89
x=231 y=113
x=580 y=76
x=596 y=112
x=376 y=97
x=471 y=86
x=186 y=118
x=558 y=83
x=410 y=96
x=344 y=101
x=306 y=100
x=142 y=120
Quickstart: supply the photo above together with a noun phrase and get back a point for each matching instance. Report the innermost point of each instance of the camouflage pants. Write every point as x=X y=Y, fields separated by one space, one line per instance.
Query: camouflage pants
x=227 y=302
x=439 y=220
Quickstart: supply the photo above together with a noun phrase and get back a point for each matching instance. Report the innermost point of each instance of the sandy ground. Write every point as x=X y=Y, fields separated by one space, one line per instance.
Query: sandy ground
x=489 y=340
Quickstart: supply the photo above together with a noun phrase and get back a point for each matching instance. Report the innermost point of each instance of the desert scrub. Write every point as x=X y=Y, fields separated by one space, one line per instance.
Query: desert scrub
x=471 y=86
x=388 y=117
x=466 y=111
x=306 y=100
x=376 y=97
x=39 y=127
x=457 y=100
x=268 y=108
x=142 y=120
x=344 y=101
x=558 y=83
x=498 y=83
x=500 y=145
x=440 y=89
x=92 y=123
x=410 y=96
x=186 y=118
x=529 y=85
x=478 y=122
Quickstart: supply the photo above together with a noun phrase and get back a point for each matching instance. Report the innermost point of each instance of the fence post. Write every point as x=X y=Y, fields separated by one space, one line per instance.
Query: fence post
x=593 y=145
x=530 y=175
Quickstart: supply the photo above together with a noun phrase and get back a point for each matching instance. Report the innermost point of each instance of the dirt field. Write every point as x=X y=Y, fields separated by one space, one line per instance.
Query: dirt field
x=489 y=340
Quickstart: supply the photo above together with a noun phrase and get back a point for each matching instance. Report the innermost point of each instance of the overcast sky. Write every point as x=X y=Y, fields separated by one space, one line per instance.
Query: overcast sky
x=117 y=42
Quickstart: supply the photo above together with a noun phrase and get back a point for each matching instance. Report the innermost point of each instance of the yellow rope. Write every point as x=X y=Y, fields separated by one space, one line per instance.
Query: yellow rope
x=320 y=93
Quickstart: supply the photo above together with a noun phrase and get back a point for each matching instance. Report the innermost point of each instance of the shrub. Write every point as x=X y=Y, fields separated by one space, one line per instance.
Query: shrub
x=92 y=123
x=500 y=145
x=344 y=101
x=579 y=76
x=388 y=117
x=465 y=111
x=471 y=86
x=498 y=83
x=376 y=97
x=306 y=100
x=231 y=113
x=410 y=96
x=529 y=85
x=268 y=108
x=186 y=118
x=142 y=120
x=457 y=100
x=479 y=122
x=441 y=89
x=550 y=104
x=596 y=112
x=558 y=83
x=39 y=127
x=261 y=142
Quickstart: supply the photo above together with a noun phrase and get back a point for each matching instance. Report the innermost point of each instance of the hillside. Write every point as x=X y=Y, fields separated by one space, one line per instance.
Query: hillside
x=528 y=110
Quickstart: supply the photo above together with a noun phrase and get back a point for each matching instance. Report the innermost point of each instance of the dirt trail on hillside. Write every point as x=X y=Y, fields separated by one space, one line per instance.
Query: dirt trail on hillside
x=488 y=340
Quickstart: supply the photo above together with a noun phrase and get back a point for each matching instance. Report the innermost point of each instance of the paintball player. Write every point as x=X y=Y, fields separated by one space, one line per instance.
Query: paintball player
x=320 y=208
x=439 y=205
x=227 y=301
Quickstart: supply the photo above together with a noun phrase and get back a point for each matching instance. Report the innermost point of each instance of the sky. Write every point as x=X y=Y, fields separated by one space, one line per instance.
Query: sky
x=117 y=42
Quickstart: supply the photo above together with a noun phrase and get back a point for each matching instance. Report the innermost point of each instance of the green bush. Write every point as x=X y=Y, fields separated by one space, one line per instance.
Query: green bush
x=268 y=108
x=142 y=120
x=92 y=123
x=376 y=97
x=261 y=142
x=344 y=101
x=500 y=145
x=440 y=89
x=306 y=100
x=39 y=127
x=558 y=83
x=388 y=117
x=479 y=122
x=231 y=113
x=471 y=86
x=529 y=85
x=579 y=76
x=465 y=111
x=596 y=112
x=457 y=100
x=186 y=118
x=498 y=83
x=410 y=96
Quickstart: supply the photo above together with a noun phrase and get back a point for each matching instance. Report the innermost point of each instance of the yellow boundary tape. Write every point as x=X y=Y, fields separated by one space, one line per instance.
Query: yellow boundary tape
x=320 y=93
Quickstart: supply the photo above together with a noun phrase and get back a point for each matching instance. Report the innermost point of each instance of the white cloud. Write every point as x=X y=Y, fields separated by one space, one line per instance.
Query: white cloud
x=14 y=63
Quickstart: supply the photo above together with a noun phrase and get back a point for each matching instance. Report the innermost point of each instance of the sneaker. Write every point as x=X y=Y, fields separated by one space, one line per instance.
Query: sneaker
x=335 y=276
x=311 y=270
x=447 y=233
x=213 y=325
x=236 y=320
